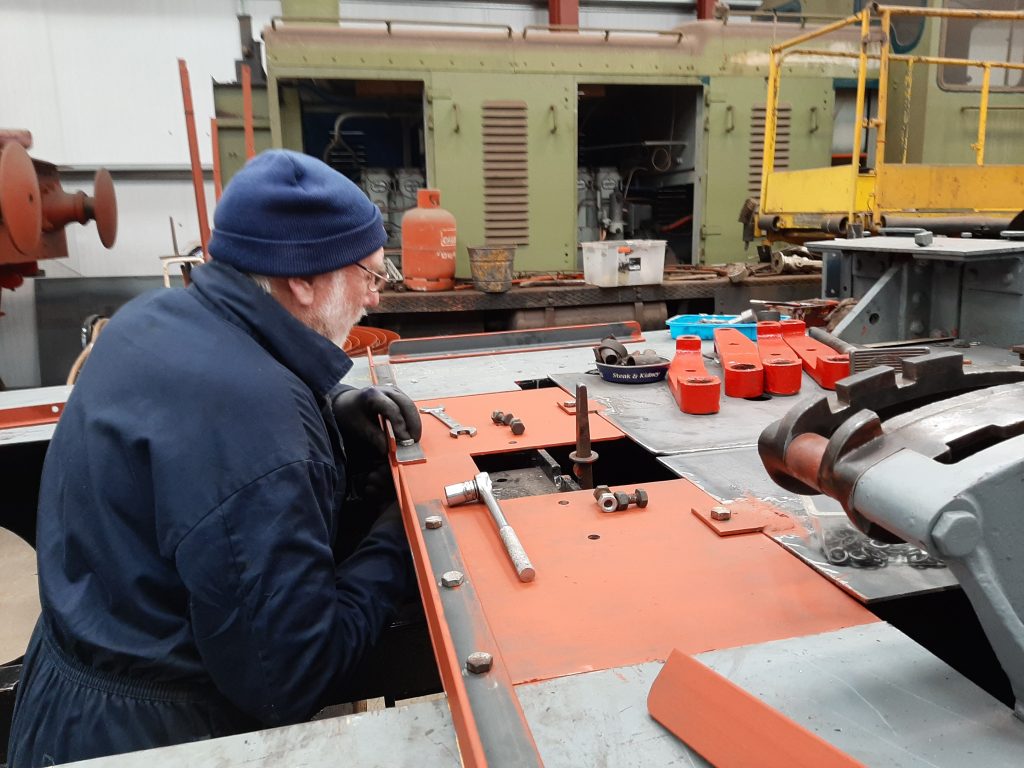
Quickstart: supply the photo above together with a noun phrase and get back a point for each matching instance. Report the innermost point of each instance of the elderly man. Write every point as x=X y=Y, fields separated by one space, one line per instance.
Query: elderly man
x=190 y=564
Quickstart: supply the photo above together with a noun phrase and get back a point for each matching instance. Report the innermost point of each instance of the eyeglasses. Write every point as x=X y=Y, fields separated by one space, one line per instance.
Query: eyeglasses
x=377 y=280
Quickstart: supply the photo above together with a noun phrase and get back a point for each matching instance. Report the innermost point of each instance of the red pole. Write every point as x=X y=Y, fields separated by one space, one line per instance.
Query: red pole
x=250 y=138
x=193 y=152
x=565 y=13
x=215 y=141
x=705 y=9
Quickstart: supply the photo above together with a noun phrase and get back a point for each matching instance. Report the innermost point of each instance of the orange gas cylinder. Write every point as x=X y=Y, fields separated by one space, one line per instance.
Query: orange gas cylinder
x=428 y=244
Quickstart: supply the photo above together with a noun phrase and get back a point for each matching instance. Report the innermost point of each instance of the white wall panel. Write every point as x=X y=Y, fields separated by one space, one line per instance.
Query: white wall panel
x=144 y=235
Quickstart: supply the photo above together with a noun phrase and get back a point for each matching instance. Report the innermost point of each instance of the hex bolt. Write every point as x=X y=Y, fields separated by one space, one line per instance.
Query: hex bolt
x=517 y=427
x=452 y=579
x=433 y=522
x=479 y=662
x=721 y=513
x=498 y=417
x=621 y=500
x=956 y=533
x=639 y=497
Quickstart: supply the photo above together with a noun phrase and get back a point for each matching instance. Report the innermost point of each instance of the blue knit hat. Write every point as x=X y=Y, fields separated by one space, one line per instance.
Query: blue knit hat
x=286 y=214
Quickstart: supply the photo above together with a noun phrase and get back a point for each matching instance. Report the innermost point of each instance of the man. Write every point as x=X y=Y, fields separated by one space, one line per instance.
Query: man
x=195 y=486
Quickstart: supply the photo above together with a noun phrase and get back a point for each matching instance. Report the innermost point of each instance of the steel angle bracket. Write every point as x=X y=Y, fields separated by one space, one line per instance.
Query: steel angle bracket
x=381 y=374
x=741 y=363
x=701 y=708
x=489 y=721
x=30 y=415
x=822 y=363
x=695 y=391
x=505 y=342
x=783 y=372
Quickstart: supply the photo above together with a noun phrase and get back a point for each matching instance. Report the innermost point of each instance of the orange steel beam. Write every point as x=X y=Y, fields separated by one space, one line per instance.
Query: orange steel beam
x=193 y=152
x=564 y=13
x=250 y=138
x=215 y=142
x=30 y=415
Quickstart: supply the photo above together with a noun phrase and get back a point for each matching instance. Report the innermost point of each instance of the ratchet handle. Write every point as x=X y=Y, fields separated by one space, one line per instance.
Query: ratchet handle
x=522 y=564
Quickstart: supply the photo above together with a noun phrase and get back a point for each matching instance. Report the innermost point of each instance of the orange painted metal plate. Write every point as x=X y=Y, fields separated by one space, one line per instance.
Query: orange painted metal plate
x=612 y=589
x=729 y=727
x=546 y=424
x=748 y=516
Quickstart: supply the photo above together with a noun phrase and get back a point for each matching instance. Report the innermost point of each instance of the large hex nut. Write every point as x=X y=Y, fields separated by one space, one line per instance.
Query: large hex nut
x=601 y=490
x=621 y=500
x=607 y=502
x=721 y=513
x=479 y=662
x=452 y=579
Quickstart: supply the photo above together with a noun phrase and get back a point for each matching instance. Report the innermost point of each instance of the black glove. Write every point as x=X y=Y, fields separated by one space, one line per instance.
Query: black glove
x=357 y=413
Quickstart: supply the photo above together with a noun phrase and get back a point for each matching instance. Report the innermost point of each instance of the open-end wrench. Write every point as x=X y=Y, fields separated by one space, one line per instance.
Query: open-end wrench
x=454 y=428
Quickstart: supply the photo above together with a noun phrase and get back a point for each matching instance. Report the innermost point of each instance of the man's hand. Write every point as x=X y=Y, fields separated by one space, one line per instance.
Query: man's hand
x=357 y=412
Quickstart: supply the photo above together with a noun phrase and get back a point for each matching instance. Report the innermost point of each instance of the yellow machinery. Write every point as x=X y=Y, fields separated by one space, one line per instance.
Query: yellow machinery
x=936 y=191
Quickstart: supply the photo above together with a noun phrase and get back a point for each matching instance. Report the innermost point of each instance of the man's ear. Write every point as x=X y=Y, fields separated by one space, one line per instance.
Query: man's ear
x=301 y=290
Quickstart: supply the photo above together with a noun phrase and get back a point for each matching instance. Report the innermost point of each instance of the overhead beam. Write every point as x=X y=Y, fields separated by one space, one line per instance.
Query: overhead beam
x=564 y=13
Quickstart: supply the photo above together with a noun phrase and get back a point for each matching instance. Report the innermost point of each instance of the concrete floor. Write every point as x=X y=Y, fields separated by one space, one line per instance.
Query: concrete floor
x=19 y=595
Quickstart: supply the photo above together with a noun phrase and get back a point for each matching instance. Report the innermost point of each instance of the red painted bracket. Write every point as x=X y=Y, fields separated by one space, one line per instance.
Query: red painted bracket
x=783 y=373
x=702 y=708
x=694 y=389
x=30 y=415
x=744 y=374
x=824 y=364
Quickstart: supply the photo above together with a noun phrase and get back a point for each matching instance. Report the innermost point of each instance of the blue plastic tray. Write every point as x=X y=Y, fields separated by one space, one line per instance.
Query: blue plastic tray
x=691 y=325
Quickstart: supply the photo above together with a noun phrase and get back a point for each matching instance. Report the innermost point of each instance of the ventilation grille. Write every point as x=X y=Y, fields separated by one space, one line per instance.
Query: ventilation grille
x=782 y=129
x=506 y=192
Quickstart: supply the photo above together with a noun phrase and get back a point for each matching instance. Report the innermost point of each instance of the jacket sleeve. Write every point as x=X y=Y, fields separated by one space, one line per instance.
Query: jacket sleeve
x=276 y=622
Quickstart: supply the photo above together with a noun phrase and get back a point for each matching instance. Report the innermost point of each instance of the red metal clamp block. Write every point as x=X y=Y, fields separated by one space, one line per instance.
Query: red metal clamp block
x=783 y=373
x=694 y=389
x=744 y=374
x=824 y=364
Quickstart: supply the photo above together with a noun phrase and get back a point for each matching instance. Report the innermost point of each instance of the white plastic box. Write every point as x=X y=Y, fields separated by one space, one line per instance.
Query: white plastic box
x=611 y=263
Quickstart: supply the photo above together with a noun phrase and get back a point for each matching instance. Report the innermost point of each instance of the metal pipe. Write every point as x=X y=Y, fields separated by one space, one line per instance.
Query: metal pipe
x=250 y=136
x=193 y=152
x=583 y=456
x=218 y=186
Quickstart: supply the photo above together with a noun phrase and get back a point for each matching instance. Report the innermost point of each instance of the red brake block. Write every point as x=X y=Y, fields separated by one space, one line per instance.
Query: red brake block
x=744 y=374
x=694 y=389
x=783 y=373
x=824 y=364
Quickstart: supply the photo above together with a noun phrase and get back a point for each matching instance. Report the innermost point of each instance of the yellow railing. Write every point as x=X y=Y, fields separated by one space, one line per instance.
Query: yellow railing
x=855 y=191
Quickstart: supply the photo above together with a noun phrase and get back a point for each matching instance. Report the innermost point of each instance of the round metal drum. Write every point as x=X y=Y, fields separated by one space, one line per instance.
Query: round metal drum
x=21 y=206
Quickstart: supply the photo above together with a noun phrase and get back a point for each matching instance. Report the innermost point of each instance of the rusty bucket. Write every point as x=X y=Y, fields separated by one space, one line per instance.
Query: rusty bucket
x=491 y=267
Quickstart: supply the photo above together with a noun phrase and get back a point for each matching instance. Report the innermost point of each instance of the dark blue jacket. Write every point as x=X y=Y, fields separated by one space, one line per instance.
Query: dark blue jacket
x=187 y=517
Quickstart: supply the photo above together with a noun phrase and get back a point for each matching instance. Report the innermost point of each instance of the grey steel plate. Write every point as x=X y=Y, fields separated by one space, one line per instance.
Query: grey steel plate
x=942 y=248
x=870 y=690
x=416 y=735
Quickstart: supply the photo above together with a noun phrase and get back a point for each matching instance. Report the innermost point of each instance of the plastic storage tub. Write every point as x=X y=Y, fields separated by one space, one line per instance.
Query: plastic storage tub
x=704 y=326
x=611 y=263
